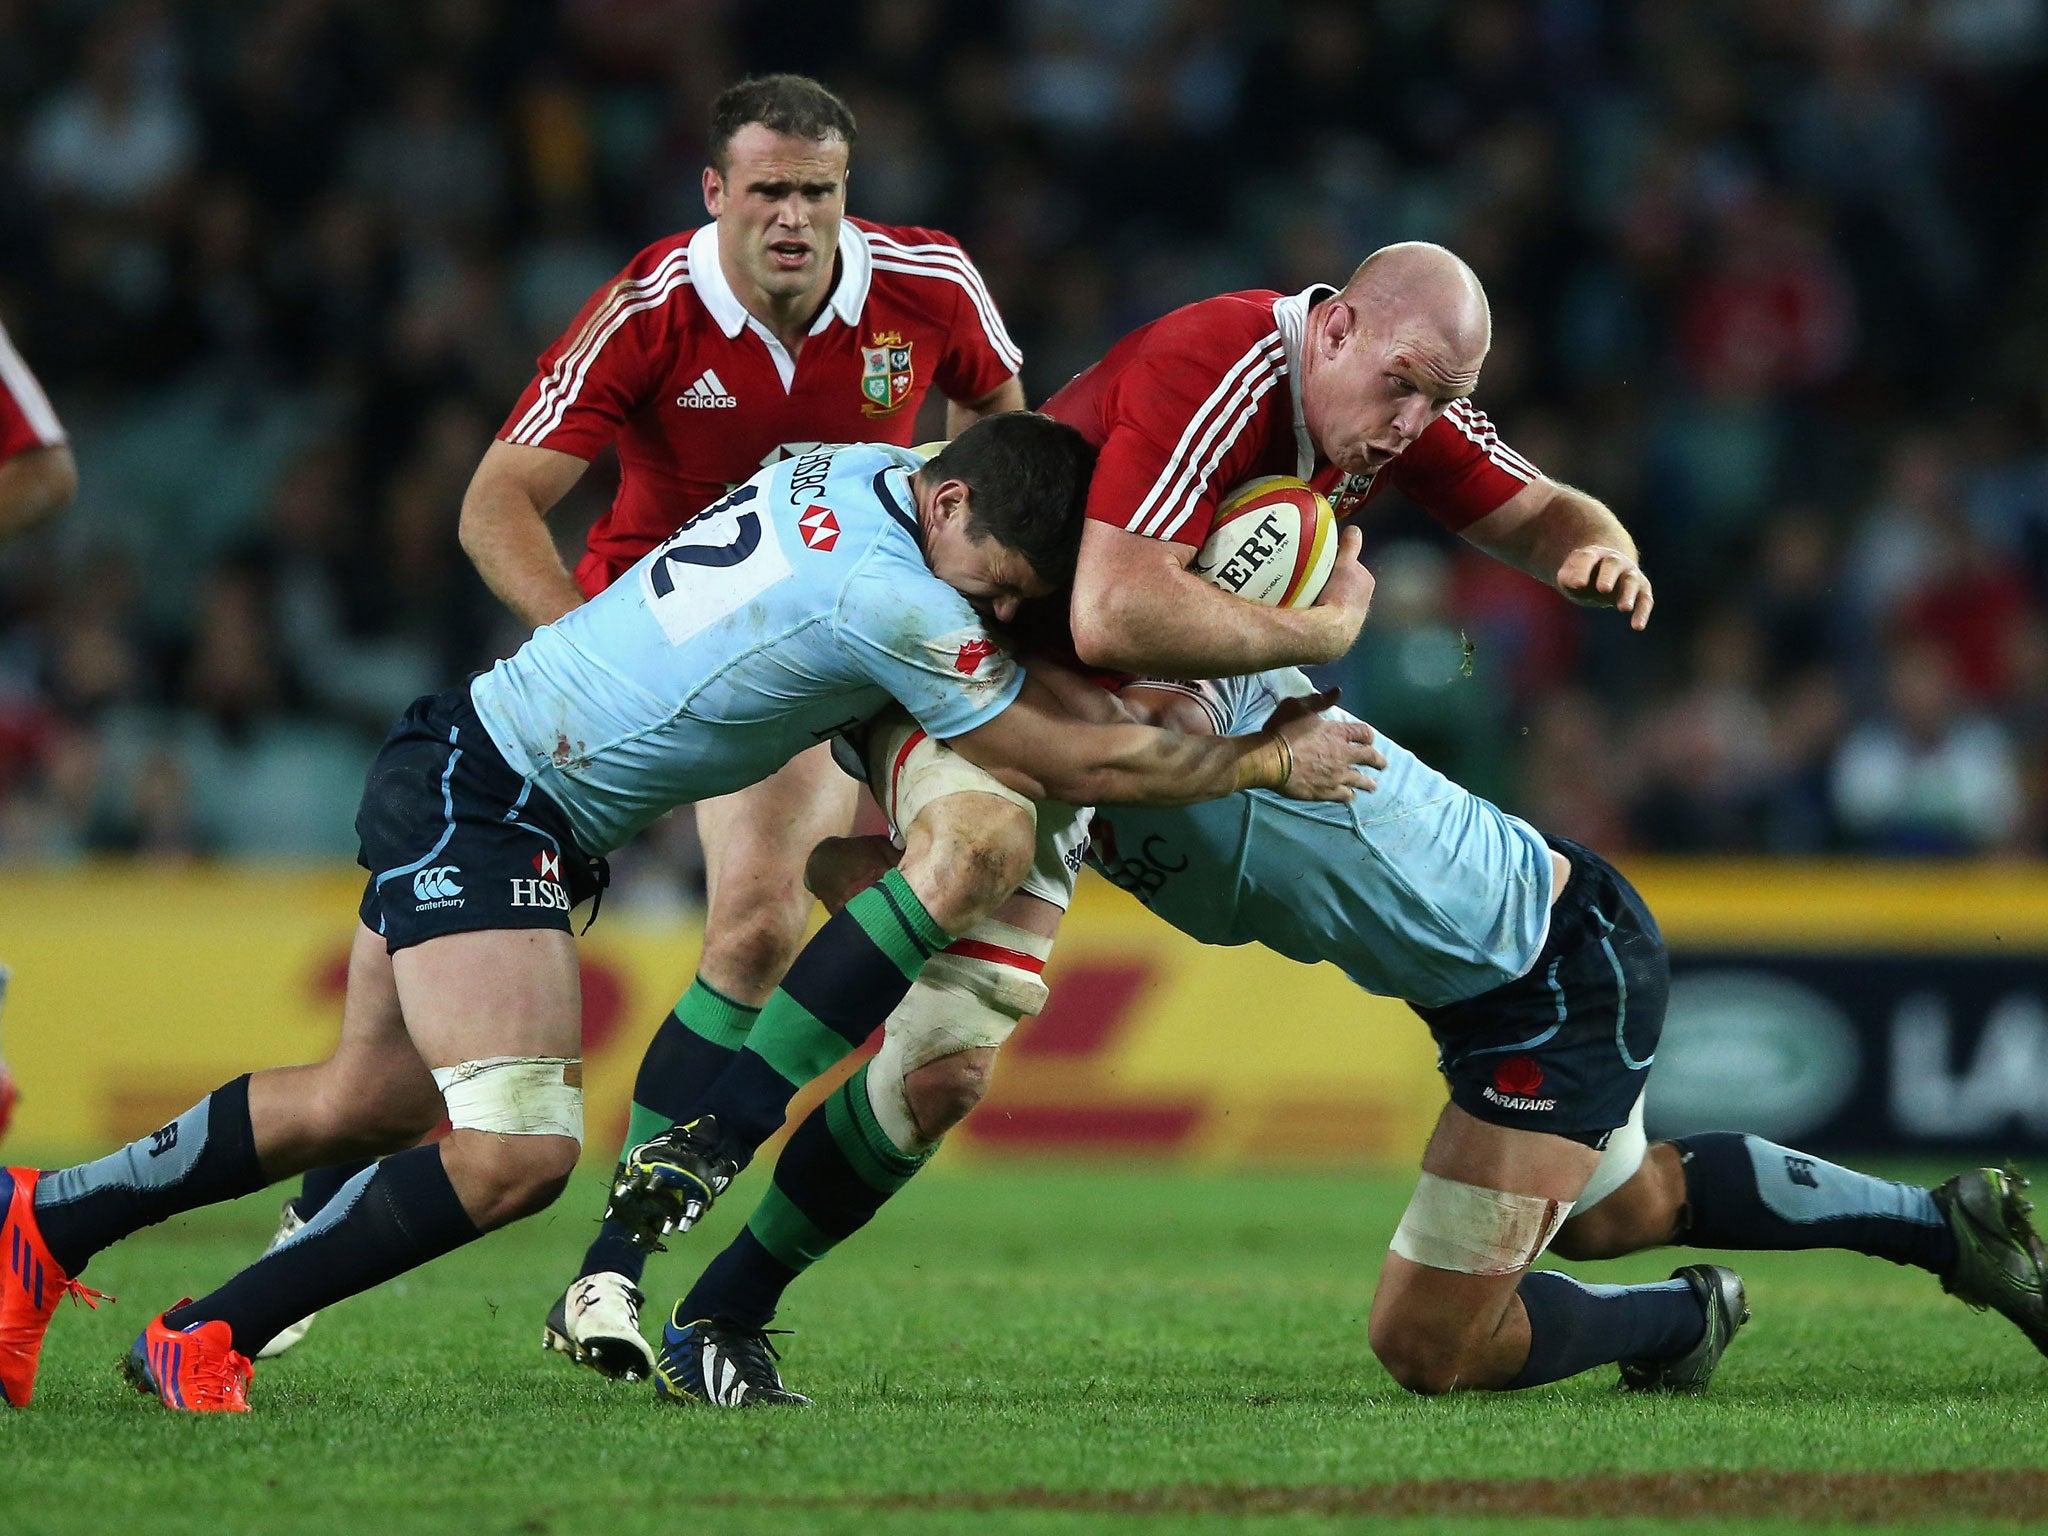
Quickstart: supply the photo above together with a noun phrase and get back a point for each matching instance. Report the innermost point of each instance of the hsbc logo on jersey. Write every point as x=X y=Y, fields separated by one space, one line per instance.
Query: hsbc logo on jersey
x=548 y=864
x=820 y=529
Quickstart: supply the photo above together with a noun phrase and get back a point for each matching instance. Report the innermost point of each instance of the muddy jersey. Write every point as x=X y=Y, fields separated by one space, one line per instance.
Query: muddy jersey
x=797 y=605
x=1187 y=408
x=1420 y=890
x=698 y=395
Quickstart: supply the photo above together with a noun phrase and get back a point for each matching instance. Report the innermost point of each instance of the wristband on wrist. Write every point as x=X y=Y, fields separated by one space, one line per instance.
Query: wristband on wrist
x=1269 y=766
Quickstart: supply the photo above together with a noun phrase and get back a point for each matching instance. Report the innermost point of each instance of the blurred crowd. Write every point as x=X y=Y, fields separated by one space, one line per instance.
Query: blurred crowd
x=1770 y=276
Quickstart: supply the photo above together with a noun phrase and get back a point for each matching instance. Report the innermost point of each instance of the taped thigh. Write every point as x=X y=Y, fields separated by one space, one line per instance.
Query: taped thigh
x=1474 y=1230
x=515 y=1095
x=1619 y=1161
x=908 y=770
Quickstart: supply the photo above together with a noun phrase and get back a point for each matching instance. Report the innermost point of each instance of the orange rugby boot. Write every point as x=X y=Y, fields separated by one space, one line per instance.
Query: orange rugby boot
x=196 y=1369
x=31 y=1283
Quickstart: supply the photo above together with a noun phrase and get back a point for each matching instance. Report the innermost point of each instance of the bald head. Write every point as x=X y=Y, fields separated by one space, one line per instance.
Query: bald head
x=1388 y=355
x=1426 y=295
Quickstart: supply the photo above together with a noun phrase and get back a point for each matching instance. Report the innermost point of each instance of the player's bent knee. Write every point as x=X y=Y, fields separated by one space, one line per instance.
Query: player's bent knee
x=520 y=1124
x=942 y=1093
x=747 y=955
x=1421 y=1359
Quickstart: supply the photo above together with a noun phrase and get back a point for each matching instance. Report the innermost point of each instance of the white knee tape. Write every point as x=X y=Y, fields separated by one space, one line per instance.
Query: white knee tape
x=1474 y=1230
x=972 y=993
x=515 y=1095
x=890 y=1101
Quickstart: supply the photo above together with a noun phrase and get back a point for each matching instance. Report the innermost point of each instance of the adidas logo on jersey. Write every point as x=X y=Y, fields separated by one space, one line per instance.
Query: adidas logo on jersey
x=707 y=394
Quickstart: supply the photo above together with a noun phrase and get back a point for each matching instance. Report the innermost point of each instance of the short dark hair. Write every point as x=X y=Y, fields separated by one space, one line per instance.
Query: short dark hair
x=1027 y=481
x=793 y=104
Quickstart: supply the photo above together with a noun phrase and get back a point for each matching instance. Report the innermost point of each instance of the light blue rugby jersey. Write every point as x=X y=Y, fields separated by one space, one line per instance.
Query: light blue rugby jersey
x=795 y=606
x=1420 y=890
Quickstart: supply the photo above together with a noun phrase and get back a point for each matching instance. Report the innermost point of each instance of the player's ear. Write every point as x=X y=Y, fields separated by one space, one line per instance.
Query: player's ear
x=1337 y=326
x=714 y=191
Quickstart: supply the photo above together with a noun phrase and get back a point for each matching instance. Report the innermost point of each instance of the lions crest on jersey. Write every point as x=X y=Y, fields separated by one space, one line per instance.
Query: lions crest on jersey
x=886 y=374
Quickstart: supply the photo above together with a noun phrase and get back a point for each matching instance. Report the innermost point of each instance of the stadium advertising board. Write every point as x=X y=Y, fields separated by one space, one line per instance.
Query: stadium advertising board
x=1833 y=1007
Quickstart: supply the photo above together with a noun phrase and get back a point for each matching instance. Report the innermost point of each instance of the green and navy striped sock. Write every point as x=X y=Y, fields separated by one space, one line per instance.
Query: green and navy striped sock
x=837 y=1171
x=848 y=979
x=696 y=1042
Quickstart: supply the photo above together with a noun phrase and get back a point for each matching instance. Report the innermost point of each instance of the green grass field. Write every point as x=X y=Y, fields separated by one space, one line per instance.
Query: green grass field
x=1041 y=1349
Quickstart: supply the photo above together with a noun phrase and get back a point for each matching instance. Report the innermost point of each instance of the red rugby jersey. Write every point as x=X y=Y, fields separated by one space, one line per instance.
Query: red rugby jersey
x=698 y=395
x=26 y=420
x=1201 y=400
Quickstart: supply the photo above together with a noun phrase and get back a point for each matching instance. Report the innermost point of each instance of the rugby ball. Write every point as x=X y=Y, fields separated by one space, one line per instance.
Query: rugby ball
x=1274 y=542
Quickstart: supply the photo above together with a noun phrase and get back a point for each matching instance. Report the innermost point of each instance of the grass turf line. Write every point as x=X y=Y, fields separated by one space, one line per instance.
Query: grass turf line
x=997 y=1334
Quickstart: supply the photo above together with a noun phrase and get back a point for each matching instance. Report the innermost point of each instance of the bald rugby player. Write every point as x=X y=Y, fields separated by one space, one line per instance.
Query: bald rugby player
x=1351 y=389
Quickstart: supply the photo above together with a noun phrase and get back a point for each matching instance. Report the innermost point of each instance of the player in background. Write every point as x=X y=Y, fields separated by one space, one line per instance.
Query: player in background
x=781 y=324
x=739 y=642
x=1352 y=390
x=38 y=478
x=1543 y=978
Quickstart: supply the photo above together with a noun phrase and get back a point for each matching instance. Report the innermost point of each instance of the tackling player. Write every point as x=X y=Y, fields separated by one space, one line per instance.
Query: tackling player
x=1543 y=978
x=730 y=648
x=38 y=478
x=779 y=325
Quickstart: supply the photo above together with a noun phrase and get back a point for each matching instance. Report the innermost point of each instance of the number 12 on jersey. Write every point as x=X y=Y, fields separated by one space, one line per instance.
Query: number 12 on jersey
x=716 y=563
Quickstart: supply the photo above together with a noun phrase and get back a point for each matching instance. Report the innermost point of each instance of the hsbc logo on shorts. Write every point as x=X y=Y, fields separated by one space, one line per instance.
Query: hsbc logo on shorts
x=545 y=889
x=1515 y=1084
x=539 y=893
x=437 y=887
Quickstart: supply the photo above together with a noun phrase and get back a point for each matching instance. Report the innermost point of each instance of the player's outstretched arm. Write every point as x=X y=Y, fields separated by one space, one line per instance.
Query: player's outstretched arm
x=1040 y=749
x=1572 y=541
x=504 y=528
x=1138 y=608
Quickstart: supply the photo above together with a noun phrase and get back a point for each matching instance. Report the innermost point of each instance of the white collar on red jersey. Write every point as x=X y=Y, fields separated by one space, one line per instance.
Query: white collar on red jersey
x=849 y=294
x=1291 y=316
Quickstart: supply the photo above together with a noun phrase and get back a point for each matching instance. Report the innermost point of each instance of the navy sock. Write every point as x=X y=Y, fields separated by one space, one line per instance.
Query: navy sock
x=1745 y=1192
x=393 y=1216
x=323 y=1184
x=846 y=981
x=838 y=1169
x=1574 y=1327
x=696 y=1042
x=206 y=1155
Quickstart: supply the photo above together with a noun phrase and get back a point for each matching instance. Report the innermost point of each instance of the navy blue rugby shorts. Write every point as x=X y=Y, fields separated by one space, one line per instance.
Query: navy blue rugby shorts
x=455 y=841
x=1567 y=1046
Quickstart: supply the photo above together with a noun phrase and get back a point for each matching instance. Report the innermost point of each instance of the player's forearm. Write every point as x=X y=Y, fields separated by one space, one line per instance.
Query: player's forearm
x=1174 y=624
x=962 y=414
x=506 y=537
x=1140 y=765
x=1568 y=520
x=34 y=485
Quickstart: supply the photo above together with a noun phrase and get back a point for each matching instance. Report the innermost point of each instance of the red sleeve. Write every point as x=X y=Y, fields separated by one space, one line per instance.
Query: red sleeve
x=608 y=361
x=1459 y=470
x=980 y=356
x=1178 y=437
x=26 y=420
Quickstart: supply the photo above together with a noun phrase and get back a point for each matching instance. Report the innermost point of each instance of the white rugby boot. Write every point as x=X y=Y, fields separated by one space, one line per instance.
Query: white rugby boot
x=596 y=1323
x=288 y=1227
